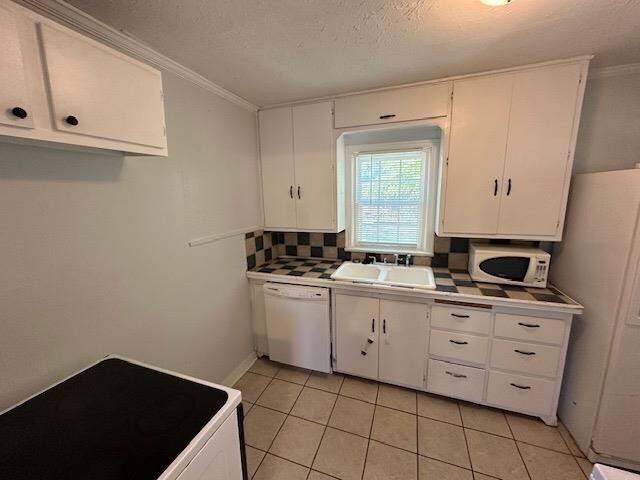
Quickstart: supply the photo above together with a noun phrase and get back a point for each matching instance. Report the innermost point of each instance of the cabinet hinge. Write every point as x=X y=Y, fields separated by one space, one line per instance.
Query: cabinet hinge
x=580 y=80
x=164 y=131
x=161 y=95
x=447 y=161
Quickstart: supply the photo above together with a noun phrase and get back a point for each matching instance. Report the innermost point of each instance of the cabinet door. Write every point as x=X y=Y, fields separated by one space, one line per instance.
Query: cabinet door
x=313 y=151
x=111 y=96
x=356 y=321
x=403 y=343
x=479 y=126
x=537 y=162
x=13 y=87
x=276 y=156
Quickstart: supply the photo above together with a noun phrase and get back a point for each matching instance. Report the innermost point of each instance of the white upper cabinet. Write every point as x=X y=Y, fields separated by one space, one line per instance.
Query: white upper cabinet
x=395 y=105
x=276 y=155
x=537 y=164
x=510 y=153
x=298 y=158
x=314 y=154
x=99 y=92
x=74 y=90
x=480 y=121
x=15 y=104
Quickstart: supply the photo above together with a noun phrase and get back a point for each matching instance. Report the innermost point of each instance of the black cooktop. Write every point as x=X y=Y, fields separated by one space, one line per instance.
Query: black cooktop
x=115 y=420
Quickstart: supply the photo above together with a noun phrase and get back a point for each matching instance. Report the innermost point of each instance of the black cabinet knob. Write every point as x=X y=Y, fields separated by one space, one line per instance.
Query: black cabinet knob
x=71 y=120
x=19 y=112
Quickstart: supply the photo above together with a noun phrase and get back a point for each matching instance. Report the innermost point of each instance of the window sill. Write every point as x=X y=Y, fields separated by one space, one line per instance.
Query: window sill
x=382 y=250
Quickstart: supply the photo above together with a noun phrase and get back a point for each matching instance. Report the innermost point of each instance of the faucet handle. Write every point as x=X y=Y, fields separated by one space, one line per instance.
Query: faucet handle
x=397 y=257
x=372 y=258
x=407 y=260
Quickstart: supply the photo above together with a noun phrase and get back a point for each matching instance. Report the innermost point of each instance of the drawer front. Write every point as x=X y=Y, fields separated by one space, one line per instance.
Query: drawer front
x=397 y=105
x=524 y=357
x=510 y=391
x=533 y=329
x=454 y=380
x=461 y=319
x=459 y=346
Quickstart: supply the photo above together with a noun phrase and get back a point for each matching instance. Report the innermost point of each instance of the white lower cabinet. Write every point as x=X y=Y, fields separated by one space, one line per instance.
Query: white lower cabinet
x=403 y=343
x=381 y=339
x=506 y=357
x=457 y=381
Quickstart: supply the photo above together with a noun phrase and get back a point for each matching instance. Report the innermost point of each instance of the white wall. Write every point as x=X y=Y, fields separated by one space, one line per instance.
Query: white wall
x=94 y=257
x=609 y=135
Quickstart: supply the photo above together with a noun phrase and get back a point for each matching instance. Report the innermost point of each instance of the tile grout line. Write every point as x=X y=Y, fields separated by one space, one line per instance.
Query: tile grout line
x=466 y=440
x=506 y=419
x=324 y=431
x=366 y=454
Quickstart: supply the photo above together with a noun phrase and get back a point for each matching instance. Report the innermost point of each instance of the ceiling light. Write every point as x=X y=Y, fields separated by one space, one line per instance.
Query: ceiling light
x=495 y=3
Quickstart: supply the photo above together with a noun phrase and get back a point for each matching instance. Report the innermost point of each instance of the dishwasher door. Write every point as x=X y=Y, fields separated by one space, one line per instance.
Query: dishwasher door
x=298 y=325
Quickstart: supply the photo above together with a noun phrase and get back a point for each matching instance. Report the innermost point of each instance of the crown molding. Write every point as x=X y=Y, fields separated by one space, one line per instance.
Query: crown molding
x=614 y=71
x=76 y=19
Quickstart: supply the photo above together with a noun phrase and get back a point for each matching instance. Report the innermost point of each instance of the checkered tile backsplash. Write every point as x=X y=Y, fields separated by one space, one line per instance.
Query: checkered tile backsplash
x=262 y=247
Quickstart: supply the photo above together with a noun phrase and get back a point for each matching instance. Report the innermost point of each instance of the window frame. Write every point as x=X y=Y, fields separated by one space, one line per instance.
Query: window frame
x=431 y=149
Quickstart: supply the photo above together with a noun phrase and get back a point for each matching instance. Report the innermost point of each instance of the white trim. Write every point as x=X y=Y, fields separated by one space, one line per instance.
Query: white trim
x=614 y=71
x=221 y=236
x=76 y=19
x=578 y=59
x=240 y=370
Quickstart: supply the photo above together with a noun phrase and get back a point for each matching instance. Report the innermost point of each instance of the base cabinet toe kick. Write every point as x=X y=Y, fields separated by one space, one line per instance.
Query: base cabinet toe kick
x=506 y=357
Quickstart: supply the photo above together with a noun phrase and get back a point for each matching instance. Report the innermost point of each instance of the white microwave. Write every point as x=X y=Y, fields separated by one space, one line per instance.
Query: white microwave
x=511 y=264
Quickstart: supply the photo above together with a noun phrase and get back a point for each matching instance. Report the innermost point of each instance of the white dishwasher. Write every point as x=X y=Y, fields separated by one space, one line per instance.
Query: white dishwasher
x=298 y=325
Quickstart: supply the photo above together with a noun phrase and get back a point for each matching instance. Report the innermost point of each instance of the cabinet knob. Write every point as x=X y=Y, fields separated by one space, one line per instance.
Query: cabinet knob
x=19 y=112
x=71 y=120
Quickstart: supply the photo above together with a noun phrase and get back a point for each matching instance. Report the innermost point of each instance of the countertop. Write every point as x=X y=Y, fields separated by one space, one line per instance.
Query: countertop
x=451 y=284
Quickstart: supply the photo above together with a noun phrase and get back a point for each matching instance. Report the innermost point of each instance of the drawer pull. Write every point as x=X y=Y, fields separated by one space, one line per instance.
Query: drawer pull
x=524 y=352
x=455 y=375
x=458 y=342
x=387 y=116
x=530 y=325
x=521 y=387
x=457 y=315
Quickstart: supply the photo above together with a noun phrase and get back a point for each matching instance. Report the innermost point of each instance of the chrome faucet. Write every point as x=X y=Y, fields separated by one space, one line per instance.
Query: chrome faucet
x=407 y=260
x=397 y=259
x=373 y=259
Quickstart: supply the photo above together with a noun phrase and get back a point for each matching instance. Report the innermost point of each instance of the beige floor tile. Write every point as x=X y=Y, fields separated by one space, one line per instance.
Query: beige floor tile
x=264 y=366
x=261 y=426
x=331 y=382
x=274 y=468
x=360 y=389
x=442 y=441
x=254 y=457
x=314 y=405
x=431 y=469
x=341 y=455
x=293 y=374
x=395 y=428
x=571 y=443
x=352 y=415
x=280 y=395
x=298 y=440
x=482 y=476
x=439 y=408
x=545 y=464
x=495 y=456
x=485 y=419
x=389 y=463
x=397 y=397
x=313 y=475
x=533 y=430
x=251 y=385
x=585 y=465
x=246 y=407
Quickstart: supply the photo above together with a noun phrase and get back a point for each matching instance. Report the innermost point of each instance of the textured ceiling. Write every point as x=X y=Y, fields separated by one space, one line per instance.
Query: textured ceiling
x=272 y=51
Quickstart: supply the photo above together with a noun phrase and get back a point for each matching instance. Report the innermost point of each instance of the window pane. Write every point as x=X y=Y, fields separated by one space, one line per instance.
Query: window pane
x=389 y=193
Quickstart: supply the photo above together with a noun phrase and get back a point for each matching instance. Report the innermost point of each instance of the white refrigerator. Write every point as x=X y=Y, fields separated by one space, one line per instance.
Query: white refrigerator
x=598 y=264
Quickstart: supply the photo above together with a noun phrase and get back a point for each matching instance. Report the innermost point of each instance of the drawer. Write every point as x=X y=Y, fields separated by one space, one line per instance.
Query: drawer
x=459 y=346
x=456 y=380
x=525 y=357
x=533 y=329
x=511 y=391
x=461 y=319
x=396 y=105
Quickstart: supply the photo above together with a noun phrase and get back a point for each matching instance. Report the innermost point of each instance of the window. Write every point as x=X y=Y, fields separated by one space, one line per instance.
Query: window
x=391 y=197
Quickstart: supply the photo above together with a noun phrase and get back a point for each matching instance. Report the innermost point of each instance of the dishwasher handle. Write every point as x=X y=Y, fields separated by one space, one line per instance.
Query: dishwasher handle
x=296 y=293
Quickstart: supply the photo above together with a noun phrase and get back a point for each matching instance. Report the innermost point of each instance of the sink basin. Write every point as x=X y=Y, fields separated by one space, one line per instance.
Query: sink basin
x=357 y=272
x=416 y=277
x=389 y=275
